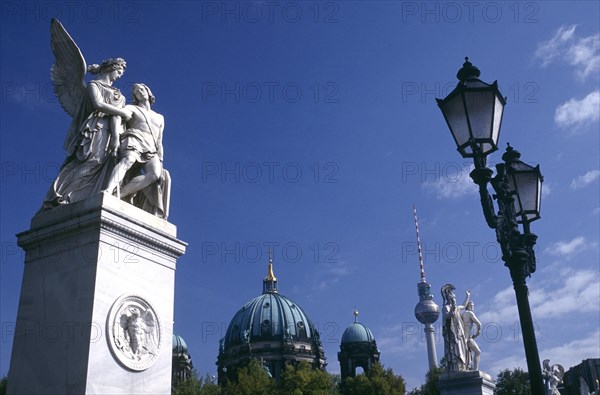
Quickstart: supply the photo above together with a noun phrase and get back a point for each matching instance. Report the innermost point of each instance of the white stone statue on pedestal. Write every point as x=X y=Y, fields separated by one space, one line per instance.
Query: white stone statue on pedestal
x=455 y=343
x=460 y=349
x=552 y=377
x=100 y=126
x=470 y=320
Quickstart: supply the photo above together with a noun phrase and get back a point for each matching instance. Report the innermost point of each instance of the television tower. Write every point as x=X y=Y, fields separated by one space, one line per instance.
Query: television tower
x=426 y=311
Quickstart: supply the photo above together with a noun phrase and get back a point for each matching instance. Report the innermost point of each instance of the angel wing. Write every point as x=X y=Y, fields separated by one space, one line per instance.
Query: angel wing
x=148 y=319
x=151 y=342
x=124 y=321
x=559 y=370
x=69 y=68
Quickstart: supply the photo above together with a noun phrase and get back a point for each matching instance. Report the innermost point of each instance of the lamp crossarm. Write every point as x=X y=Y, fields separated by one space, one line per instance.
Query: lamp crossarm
x=482 y=176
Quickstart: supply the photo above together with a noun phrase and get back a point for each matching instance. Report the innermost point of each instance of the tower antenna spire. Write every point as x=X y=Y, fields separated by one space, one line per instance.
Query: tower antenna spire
x=426 y=311
x=419 y=245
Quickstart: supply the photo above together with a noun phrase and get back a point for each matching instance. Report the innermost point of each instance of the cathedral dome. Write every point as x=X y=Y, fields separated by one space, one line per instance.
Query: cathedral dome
x=357 y=349
x=181 y=366
x=273 y=329
x=179 y=346
x=270 y=316
x=357 y=333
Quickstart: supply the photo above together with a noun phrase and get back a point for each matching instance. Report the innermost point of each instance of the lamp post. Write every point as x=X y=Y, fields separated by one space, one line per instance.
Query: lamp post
x=473 y=112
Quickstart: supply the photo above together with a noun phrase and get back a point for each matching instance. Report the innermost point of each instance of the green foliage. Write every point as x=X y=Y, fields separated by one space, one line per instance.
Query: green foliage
x=302 y=379
x=513 y=382
x=430 y=386
x=377 y=381
x=252 y=379
x=297 y=379
x=3 y=385
x=195 y=385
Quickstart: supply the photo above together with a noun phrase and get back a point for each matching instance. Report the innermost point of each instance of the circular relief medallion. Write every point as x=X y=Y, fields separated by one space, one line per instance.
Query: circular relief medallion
x=133 y=331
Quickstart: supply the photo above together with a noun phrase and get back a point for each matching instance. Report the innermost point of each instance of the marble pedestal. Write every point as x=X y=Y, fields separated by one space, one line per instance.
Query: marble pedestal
x=96 y=307
x=466 y=383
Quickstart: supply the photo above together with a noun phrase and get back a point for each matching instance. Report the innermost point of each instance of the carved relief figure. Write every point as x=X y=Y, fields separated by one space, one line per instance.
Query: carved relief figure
x=138 y=334
x=455 y=344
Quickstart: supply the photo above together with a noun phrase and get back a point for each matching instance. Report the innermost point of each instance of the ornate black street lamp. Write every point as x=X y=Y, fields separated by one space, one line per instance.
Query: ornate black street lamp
x=473 y=112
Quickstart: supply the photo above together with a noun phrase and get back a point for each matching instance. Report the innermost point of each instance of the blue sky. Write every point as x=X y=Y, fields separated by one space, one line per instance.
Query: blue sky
x=311 y=127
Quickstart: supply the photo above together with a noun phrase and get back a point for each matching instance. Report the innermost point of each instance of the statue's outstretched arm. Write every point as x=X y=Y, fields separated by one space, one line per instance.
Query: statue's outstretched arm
x=466 y=302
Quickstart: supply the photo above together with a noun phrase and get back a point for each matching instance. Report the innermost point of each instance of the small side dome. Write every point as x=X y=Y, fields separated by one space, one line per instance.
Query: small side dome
x=179 y=346
x=358 y=349
x=357 y=333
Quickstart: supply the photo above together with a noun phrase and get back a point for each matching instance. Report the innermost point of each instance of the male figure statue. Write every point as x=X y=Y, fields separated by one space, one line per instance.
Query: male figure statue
x=469 y=319
x=141 y=143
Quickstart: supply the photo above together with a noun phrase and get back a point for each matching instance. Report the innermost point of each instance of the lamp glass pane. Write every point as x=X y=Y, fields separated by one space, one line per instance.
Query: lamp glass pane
x=454 y=112
x=526 y=184
x=538 y=208
x=480 y=107
x=498 y=112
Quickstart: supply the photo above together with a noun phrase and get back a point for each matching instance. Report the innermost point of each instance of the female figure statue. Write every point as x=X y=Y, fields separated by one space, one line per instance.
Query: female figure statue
x=455 y=343
x=98 y=110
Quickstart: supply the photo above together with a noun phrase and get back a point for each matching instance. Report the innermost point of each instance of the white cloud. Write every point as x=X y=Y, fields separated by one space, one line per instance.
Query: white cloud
x=576 y=112
x=568 y=354
x=401 y=346
x=585 y=179
x=563 y=248
x=329 y=275
x=549 y=50
x=578 y=292
x=581 y=53
x=546 y=190
x=454 y=186
x=503 y=309
x=572 y=353
x=511 y=362
x=584 y=55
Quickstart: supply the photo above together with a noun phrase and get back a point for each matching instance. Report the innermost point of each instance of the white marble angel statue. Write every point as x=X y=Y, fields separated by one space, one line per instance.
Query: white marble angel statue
x=552 y=376
x=98 y=110
x=106 y=138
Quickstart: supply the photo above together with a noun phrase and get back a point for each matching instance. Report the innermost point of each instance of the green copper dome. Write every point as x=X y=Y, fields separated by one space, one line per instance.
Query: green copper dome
x=269 y=316
x=273 y=329
x=357 y=333
x=179 y=346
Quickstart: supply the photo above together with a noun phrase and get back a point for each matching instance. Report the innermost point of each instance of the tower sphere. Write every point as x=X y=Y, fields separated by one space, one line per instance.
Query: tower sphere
x=427 y=312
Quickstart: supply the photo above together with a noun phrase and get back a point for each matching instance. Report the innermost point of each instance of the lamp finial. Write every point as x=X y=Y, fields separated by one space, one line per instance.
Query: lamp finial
x=468 y=71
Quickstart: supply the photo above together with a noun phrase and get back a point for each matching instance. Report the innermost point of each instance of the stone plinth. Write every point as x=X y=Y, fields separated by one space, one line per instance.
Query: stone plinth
x=96 y=307
x=466 y=383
